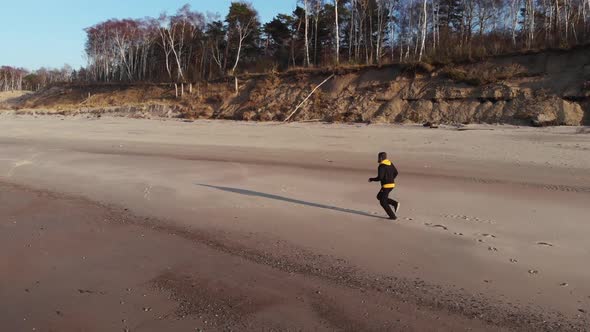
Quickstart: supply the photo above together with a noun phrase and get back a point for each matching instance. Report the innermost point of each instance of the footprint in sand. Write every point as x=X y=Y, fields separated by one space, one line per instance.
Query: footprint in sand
x=437 y=226
x=147 y=192
x=547 y=244
x=489 y=235
x=513 y=261
x=492 y=249
x=467 y=218
x=533 y=272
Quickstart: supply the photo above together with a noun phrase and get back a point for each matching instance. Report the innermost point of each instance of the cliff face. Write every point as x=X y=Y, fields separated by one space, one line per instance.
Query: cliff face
x=549 y=88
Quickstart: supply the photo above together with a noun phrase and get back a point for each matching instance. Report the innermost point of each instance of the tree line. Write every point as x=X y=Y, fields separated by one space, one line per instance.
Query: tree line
x=12 y=78
x=189 y=46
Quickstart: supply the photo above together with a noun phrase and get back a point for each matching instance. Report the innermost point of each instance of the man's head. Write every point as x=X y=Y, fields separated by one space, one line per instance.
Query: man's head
x=382 y=156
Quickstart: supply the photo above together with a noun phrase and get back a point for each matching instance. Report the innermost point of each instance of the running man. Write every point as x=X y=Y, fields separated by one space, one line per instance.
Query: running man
x=386 y=175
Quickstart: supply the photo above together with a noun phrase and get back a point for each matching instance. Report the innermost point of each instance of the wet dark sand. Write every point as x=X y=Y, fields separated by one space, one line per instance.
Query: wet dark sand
x=72 y=265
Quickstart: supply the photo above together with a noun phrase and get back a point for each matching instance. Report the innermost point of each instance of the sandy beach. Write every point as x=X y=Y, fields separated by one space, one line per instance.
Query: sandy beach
x=139 y=225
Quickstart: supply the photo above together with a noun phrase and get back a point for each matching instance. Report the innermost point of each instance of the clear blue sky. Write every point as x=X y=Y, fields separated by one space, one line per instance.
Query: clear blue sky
x=50 y=33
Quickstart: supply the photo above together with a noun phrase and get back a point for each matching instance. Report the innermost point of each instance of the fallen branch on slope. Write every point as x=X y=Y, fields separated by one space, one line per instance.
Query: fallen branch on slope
x=303 y=102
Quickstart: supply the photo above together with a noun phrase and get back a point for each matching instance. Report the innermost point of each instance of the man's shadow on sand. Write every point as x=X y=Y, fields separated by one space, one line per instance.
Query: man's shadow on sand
x=289 y=200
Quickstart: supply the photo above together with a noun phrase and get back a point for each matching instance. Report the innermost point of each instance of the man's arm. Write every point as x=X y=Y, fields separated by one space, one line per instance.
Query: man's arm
x=379 y=175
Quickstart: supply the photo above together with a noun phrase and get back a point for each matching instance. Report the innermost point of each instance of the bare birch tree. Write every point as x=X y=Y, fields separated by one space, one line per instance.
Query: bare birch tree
x=337 y=30
x=242 y=20
x=514 y=8
x=306 y=7
x=424 y=24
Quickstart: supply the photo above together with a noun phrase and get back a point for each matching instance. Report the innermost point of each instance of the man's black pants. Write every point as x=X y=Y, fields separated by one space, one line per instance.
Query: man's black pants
x=386 y=202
